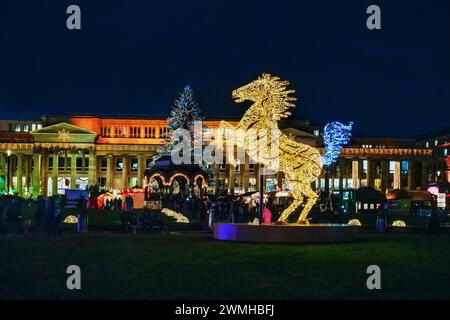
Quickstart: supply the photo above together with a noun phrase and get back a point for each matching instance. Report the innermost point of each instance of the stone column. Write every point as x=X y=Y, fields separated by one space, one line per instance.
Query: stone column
x=19 y=173
x=341 y=173
x=384 y=175
x=397 y=175
x=3 y=164
x=109 y=176
x=370 y=173
x=73 y=171
x=36 y=175
x=3 y=171
x=125 y=172
x=44 y=173
x=355 y=174
x=92 y=169
x=424 y=175
x=55 y=175
x=411 y=175
x=26 y=173
x=140 y=172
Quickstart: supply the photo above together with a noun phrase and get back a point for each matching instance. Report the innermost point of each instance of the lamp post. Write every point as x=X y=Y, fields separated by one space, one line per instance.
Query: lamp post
x=261 y=193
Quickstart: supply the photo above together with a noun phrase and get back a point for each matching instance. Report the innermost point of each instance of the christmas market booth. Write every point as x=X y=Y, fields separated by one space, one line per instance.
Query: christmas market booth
x=166 y=178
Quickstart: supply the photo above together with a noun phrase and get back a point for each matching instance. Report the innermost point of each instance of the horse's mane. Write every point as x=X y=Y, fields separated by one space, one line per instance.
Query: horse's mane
x=279 y=100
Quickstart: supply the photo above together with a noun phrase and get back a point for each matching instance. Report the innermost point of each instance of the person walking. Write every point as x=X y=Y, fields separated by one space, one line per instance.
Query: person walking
x=39 y=214
x=12 y=216
x=50 y=214
x=58 y=214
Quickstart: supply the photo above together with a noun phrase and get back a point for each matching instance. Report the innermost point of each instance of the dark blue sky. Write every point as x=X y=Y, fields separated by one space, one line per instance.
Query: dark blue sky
x=132 y=57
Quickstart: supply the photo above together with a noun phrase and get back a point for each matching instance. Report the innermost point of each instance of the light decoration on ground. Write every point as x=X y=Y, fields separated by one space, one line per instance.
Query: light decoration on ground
x=178 y=216
x=354 y=222
x=71 y=219
x=301 y=163
x=399 y=223
x=335 y=136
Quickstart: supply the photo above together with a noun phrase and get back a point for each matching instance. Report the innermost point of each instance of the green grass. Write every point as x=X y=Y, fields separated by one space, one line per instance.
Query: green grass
x=181 y=266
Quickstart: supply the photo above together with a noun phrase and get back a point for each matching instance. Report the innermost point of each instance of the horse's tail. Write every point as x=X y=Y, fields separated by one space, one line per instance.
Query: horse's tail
x=335 y=136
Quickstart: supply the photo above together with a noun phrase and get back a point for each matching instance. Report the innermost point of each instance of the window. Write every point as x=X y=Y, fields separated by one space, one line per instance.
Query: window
x=445 y=152
x=39 y=126
x=62 y=164
x=102 y=182
x=134 y=164
x=316 y=132
x=103 y=165
x=10 y=126
x=33 y=127
x=17 y=127
x=404 y=166
x=26 y=128
x=237 y=169
x=436 y=142
x=251 y=167
x=119 y=164
x=364 y=166
x=222 y=167
x=427 y=144
x=391 y=166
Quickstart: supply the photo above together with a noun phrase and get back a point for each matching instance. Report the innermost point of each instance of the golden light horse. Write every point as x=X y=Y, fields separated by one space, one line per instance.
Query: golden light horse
x=301 y=163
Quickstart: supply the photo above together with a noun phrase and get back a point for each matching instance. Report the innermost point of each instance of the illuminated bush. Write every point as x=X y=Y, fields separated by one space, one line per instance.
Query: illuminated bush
x=354 y=222
x=399 y=223
x=178 y=216
x=71 y=219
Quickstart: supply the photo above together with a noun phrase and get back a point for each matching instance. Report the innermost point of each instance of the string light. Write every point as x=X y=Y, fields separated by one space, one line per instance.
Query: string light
x=335 y=136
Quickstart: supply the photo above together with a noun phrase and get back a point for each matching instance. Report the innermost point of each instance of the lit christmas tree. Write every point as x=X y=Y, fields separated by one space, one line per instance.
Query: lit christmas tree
x=185 y=112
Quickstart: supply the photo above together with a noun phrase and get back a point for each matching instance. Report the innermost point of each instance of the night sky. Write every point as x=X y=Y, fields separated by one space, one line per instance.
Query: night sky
x=132 y=57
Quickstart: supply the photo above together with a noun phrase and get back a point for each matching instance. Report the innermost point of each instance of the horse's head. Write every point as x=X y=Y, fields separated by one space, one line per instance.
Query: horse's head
x=271 y=99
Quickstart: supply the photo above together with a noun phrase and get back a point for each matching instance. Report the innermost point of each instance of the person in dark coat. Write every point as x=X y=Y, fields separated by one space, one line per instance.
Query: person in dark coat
x=58 y=214
x=39 y=214
x=50 y=214
x=433 y=223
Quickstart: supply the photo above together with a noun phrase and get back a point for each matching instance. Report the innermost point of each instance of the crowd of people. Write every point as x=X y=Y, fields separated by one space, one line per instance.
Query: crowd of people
x=47 y=215
x=48 y=212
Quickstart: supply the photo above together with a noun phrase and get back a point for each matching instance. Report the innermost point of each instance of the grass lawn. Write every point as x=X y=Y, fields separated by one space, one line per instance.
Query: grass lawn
x=186 y=266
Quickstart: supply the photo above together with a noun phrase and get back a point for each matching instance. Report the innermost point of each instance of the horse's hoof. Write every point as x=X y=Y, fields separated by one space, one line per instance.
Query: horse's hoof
x=281 y=222
x=304 y=222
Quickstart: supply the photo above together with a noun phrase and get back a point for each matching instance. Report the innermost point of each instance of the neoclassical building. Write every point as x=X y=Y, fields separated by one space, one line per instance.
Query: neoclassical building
x=55 y=153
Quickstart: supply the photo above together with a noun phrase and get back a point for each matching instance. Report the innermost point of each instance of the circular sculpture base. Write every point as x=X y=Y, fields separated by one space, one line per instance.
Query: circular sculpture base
x=289 y=233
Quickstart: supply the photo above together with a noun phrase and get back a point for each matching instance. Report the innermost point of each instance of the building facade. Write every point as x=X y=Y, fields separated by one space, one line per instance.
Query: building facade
x=73 y=152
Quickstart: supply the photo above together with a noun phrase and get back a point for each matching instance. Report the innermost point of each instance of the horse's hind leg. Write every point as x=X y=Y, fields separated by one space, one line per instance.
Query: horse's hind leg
x=298 y=199
x=312 y=198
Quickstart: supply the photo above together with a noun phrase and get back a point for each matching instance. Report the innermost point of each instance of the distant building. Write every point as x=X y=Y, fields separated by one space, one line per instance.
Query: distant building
x=61 y=152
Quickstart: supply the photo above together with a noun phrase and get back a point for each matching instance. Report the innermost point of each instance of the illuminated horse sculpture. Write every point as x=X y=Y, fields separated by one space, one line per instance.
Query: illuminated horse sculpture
x=301 y=163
